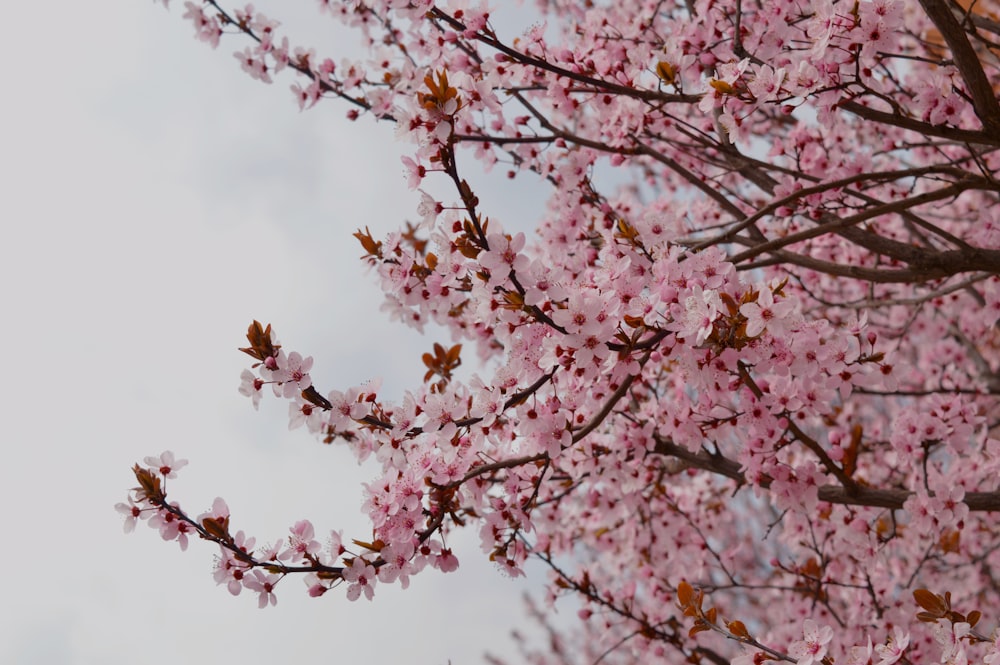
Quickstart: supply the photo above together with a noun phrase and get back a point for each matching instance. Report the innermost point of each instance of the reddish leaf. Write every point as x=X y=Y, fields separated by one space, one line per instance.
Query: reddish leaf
x=260 y=347
x=685 y=594
x=149 y=484
x=217 y=527
x=738 y=629
x=666 y=72
x=698 y=627
x=936 y=607
x=372 y=247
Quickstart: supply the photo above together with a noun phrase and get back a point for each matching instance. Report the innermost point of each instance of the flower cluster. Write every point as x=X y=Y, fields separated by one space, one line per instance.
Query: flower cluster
x=757 y=366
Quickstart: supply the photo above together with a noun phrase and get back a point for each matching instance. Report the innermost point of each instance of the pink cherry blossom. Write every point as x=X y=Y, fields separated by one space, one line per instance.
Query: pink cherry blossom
x=702 y=309
x=414 y=172
x=949 y=638
x=993 y=657
x=206 y=28
x=263 y=584
x=813 y=648
x=861 y=654
x=765 y=312
x=171 y=526
x=250 y=386
x=302 y=542
x=503 y=256
x=893 y=650
x=361 y=578
x=166 y=465
x=132 y=512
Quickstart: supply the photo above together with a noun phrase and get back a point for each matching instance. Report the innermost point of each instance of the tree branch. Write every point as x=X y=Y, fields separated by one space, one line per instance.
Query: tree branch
x=984 y=99
x=860 y=496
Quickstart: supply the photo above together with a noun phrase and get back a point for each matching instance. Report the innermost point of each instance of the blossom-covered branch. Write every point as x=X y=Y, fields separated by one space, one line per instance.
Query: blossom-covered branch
x=738 y=387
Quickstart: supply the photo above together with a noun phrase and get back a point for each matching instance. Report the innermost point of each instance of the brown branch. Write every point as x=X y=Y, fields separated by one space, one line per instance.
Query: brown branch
x=984 y=100
x=614 y=399
x=924 y=128
x=705 y=187
x=502 y=140
x=823 y=187
x=599 y=85
x=873 y=242
x=297 y=65
x=483 y=469
x=578 y=435
x=832 y=467
x=861 y=496
x=516 y=398
x=240 y=554
x=944 y=264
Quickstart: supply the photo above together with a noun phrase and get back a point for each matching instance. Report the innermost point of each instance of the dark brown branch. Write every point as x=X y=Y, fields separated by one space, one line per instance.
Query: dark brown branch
x=832 y=467
x=484 y=469
x=884 y=176
x=599 y=85
x=924 y=128
x=873 y=242
x=942 y=265
x=860 y=496
x=966 y=59
x=516 y=398
x=693 y=179
x=298 y=65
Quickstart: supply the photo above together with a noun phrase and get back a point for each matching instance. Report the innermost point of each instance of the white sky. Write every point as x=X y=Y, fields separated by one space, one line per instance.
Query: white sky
x=154 y=201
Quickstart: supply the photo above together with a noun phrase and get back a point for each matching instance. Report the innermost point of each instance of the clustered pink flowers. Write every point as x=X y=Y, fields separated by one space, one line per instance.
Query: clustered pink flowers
x=743 y=397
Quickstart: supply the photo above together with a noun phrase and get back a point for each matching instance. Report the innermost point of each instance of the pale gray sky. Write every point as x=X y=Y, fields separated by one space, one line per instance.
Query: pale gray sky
x=154 y=201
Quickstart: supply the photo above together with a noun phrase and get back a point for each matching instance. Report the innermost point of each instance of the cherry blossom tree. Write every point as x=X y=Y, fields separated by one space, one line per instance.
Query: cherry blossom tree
x=739 y=391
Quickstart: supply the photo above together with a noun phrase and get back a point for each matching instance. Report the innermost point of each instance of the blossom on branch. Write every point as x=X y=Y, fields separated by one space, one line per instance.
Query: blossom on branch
x=736 y=386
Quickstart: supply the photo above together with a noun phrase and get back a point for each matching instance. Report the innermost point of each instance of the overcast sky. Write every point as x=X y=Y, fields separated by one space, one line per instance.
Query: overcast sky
x=154 y=201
